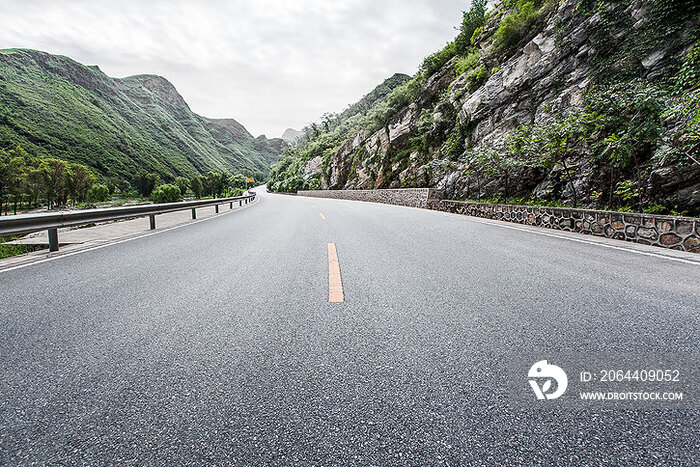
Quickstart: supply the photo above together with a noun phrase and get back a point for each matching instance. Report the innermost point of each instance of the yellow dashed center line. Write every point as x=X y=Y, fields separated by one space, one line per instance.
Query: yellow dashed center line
x=335 y=284
x=322 y=216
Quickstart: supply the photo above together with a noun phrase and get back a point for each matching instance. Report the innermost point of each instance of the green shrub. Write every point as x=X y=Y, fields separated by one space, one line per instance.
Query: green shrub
x=465 y=63
x=239 y=181
x=621 y=43
x=477 y=31
x=626 y=121
x=236 y=191
x=433 y=63
x=683 y=114
x=476 y=78
x=197 y=186
x=381 y=114
x=689 y=74
x=166 y=194
x=292 y=185
x=13 y=250
x=626 y=191
x=655 y=209
x=98 y=193
x=315 y=183
x=516 y=26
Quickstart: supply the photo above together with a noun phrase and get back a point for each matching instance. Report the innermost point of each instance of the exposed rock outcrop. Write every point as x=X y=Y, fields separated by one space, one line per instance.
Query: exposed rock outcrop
x=548 y=74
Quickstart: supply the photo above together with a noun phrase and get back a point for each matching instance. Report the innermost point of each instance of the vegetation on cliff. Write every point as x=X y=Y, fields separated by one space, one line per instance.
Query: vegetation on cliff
x=578 y=103
x=370 y=113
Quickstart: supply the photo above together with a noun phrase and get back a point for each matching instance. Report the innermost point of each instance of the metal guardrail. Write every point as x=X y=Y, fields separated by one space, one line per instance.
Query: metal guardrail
x=52 y=221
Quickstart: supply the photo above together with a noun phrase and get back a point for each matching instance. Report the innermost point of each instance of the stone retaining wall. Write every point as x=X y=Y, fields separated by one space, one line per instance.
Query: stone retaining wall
x=415 y=197
x=678 y=233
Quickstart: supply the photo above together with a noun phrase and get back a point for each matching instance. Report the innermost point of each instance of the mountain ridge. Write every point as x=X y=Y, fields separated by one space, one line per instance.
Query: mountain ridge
x=290 y=135
x=54 y=106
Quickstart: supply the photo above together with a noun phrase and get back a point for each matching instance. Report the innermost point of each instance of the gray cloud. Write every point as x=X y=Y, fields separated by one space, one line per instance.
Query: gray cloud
x=270 y=64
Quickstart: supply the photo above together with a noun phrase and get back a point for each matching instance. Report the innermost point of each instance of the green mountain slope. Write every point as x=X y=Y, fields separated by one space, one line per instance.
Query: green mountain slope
x=54 y=106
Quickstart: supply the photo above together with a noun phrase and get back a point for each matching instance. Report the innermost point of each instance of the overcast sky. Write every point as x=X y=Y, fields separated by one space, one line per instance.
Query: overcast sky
x=270 y=64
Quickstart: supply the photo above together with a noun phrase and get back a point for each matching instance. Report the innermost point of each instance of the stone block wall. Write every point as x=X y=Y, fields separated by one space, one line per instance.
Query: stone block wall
x=678 y=233
x=415 y=197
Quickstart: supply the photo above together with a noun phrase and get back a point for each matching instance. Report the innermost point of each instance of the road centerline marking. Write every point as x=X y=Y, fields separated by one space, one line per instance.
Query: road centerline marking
x=322 y=216
x=335 y=283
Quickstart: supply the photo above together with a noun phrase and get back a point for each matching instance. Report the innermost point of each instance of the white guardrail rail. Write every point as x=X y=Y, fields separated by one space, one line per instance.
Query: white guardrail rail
x=52 y=221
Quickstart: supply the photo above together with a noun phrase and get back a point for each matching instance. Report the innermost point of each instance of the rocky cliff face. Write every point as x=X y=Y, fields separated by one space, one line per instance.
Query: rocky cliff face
x=477 y=133
x=54 y=106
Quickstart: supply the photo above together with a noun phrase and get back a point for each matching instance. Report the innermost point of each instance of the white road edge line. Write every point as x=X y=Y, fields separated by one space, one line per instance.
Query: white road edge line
x=97 y=247
x=495 y=223
x=580 y=240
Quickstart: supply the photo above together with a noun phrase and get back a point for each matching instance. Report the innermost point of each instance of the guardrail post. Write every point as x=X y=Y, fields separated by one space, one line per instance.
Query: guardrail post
x=50 y=222
x=53 y=239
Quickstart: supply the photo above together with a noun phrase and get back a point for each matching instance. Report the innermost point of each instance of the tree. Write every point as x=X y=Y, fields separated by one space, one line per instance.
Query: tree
x=12 y=168
x=31 y=179
x=34 y=180
x=549 y=147
x=183 y=184
x=166 y=194
x=210 y=182
x=54 y=173
x=5 y=176
x=145 y=182
x=197 y=186
x=483 y=162
x=98 y=193
x=216 y=183
x=471 y=21
x=239 y=181
x=224 y=183
x=79 y=180
x=327 y=120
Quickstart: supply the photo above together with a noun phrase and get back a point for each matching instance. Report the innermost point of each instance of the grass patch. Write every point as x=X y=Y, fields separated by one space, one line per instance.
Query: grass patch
x=466 y=63
x=7 y=250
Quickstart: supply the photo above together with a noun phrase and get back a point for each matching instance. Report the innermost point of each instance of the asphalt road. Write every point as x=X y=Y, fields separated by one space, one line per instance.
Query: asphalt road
x=215 y=344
